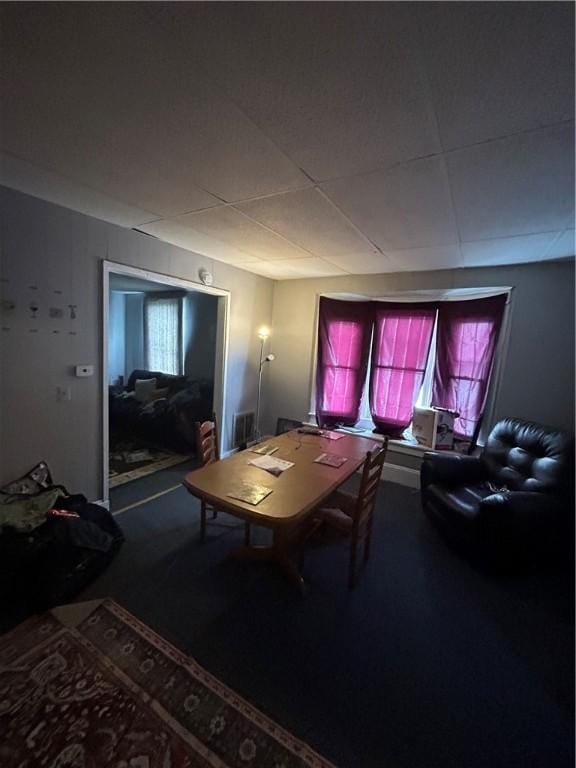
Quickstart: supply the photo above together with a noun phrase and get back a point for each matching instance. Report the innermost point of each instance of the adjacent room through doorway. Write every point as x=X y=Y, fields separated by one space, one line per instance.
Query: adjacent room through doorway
x=162 y=348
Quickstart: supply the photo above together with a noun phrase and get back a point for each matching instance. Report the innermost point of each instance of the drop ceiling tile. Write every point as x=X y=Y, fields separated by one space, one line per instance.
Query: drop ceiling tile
x=337 y=85
x=294 y=268
x=173 y=231
x=418 y=259
x=158 y=183
x=107 y=98
x=38 y=182
x=519 y=185
x=363 y=263
x=498 y=68
x=563 y=247
x=507 y=250
x=308 y=219
x=229 y=226
x=408 y=206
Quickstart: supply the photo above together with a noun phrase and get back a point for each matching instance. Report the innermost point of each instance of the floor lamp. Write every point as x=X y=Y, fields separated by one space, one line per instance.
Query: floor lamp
x=263 y=335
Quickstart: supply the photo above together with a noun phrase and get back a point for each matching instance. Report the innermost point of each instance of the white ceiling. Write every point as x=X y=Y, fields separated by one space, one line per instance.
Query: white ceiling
x=301 y=139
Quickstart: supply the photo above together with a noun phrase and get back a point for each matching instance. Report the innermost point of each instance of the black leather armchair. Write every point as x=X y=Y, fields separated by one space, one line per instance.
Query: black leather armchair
x=515 y=498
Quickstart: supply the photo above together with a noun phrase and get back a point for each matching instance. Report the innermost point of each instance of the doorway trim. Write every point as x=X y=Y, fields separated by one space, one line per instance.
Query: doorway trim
x=221 y=357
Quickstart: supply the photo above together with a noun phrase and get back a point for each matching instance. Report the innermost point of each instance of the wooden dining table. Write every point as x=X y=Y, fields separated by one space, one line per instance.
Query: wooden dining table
x=295 y=493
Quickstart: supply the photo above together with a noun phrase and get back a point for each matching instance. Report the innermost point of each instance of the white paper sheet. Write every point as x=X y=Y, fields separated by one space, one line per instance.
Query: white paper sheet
x=271 y=464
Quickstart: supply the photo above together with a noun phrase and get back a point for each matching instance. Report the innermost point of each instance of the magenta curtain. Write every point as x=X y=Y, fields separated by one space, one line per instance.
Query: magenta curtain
x=402 y=334
x=466 y=340
x=344 y=331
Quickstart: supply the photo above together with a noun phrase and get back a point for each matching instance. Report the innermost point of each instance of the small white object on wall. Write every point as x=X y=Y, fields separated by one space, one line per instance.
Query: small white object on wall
x=205 y=276
x=84 y=370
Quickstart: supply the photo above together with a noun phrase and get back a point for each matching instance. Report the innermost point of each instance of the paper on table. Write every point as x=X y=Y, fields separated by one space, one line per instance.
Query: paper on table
x=331 y=459
x=264 y=450
x=332 y=435
x=271 y=464
x=250 y=493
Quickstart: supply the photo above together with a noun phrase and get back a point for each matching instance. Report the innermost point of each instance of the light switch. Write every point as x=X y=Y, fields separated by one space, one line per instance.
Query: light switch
x=63 y=393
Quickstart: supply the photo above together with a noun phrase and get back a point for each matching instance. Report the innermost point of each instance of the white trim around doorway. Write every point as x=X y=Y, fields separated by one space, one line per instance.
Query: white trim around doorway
x=222 y=336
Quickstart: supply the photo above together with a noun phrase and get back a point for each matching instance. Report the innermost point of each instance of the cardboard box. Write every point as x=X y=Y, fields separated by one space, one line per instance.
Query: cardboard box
x=444 y=429
x=434 y=428
x=424 y=426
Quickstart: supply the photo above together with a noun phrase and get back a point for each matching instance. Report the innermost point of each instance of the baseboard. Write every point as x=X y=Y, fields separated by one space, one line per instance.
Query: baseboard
x=401 y=475
x=225 y=454
x=102 y=503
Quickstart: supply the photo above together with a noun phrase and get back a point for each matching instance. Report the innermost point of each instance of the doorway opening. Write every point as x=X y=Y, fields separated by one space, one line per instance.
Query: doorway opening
x=164 y=370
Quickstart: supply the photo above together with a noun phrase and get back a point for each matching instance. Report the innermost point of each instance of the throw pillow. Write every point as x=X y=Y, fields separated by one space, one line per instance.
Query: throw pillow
x=158 y=394
x=144 y=389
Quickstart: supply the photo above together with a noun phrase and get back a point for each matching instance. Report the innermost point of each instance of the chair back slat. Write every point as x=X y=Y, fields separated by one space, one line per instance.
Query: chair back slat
x=371 y=485
x=207 y=442
x=371 y=475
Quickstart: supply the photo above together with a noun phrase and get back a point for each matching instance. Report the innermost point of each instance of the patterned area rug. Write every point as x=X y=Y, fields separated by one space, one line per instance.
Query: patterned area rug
x=121 y=473
x=108 y=692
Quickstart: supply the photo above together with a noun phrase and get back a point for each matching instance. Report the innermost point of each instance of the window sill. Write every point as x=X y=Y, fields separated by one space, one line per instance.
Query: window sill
x=408 y=447
x=397 y=446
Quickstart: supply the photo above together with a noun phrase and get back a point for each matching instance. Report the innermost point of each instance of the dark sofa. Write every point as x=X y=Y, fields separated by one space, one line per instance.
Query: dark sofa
x=166 y=421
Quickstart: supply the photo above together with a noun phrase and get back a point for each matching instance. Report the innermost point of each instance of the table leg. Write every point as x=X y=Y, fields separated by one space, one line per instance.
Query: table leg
x=282 y=553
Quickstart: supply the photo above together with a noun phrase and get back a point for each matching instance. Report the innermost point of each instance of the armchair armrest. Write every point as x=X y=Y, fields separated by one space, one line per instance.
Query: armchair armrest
x=451 y=469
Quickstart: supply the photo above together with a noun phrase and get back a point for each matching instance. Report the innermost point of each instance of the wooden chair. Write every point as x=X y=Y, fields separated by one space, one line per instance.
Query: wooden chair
x=207 y=442
x=353 y=515
x=207 y=451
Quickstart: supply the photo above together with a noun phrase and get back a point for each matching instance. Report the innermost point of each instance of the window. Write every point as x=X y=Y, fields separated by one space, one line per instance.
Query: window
x=341 y=367
x=424 y=397
x=468 y=332
x=437 y=352
x=400 y=347
x=343 y=345
x=163 y=334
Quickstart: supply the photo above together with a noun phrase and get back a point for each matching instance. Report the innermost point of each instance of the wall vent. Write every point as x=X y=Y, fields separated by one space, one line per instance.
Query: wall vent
x=243 y=428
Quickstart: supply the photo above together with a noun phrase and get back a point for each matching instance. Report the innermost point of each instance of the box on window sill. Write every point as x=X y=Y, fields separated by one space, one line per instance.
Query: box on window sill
x=434 y=428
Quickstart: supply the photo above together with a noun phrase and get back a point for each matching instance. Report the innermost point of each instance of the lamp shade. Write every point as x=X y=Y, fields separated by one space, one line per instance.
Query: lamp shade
x=264 y=332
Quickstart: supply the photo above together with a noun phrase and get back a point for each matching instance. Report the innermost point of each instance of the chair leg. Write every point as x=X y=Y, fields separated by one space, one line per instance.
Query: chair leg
x=247 y=532
x=214 y=514
x=202 y=520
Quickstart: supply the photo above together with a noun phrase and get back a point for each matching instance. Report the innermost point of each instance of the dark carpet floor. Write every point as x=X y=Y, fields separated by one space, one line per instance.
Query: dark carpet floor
x=429 y=662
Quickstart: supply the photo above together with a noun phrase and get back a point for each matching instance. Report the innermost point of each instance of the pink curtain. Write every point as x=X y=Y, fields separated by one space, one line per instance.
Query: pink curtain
x=466 y=341
x=400 y=350
x=343 y=346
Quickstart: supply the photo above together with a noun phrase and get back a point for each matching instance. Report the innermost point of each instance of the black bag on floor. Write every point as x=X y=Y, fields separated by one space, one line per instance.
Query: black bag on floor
x=79 y=550
x=53 y=563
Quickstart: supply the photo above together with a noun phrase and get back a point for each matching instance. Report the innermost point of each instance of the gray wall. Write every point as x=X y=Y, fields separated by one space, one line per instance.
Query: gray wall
x=200 y=325
x=53 y=255
x=538 y=372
